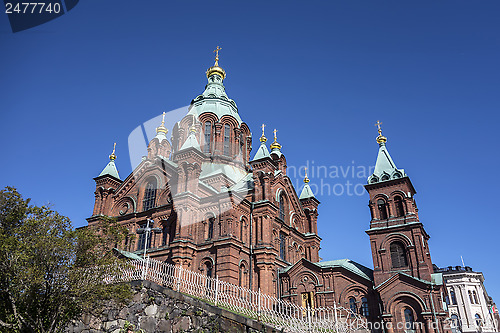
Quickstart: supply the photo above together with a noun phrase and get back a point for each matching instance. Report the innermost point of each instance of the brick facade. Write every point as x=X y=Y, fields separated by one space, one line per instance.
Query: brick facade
x=263 y=235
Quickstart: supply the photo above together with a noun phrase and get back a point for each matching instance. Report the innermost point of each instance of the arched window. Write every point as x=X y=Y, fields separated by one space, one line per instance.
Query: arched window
x=409 y=320
x=282 y=208
x=398 y=255
x=149 y=196
x=382 y=208
x=400 y=211
x=352 y=306
x=211 y=222
x=227 y=140
x=456 y=325
x=479 y=321
x=475 y=297
x=364 y=307
x=282 y=246
x=453 y=297
x=208 y=137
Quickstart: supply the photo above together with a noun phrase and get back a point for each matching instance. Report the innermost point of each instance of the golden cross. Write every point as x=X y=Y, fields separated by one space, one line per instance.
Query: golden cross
x=114 y=146
x=163 y=118
x=305 y=171
x=275 y=130
x=263 y=125
x=216 y=51
x=378 y=125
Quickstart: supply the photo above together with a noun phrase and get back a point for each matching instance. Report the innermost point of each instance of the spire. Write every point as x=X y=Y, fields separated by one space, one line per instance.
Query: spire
x=275 y=145
x=306 y=191
x=110 y=169
x=385 y=168
x=191 y=141
x=262 y=152
x=215 y=69
x=161 y=131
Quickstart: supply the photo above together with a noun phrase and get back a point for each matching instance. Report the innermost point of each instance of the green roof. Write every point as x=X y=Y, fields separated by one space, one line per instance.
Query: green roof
x=262 y=152
x=350 y=265
x=191 y=142
x=111 y=170
x=306 y=192
x=385 y=168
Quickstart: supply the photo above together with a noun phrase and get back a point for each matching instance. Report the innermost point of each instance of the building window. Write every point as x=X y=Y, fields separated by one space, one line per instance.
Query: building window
x=400 y=211
x=398 y=255
x=364 y=307
x=479 y=321
x=208 y=137
x=453 y=297
x=352 y=306
x=475 y=297
x=382 y=208
x=211 y=222
x=149 y=196
x=227 y=138
x=470 y=297
x=282 y=208
x=409 y=320
x=282 y=246
x=456 y=325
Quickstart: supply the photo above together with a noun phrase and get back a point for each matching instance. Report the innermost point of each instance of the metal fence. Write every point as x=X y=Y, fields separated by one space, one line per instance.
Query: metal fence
x=270 y=310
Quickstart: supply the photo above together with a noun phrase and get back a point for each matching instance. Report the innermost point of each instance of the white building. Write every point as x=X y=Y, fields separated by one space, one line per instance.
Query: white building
x=469 y=306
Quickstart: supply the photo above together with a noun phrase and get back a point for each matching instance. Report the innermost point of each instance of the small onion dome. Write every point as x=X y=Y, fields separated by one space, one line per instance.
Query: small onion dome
x=381 y=140
x=162 y=127
x=306 y=179
x=112 y=157
x=275 y=144
x=215 y=69
x=263 y=138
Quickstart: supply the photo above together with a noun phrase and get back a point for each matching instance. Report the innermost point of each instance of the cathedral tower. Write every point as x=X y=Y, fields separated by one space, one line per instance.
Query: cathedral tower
x=403 y=272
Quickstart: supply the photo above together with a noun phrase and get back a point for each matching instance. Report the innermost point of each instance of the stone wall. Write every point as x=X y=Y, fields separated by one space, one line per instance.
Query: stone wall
x=154 y=308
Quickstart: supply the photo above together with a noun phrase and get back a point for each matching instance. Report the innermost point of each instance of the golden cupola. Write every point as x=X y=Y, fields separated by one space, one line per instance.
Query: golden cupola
x=216 y=69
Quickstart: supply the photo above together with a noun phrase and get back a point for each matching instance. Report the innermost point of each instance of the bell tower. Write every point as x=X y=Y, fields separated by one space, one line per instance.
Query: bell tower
x=403 y=272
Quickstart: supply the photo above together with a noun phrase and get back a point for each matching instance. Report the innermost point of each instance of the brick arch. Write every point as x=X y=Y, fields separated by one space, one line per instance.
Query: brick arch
x=398 y=192
x=348 y=291
x=208 y=116
x=230 y=120
x=310 y=275
x=395 y=236
x=382 y=196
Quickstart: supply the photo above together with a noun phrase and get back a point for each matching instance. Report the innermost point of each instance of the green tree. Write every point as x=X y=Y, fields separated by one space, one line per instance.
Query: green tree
x=50 y=273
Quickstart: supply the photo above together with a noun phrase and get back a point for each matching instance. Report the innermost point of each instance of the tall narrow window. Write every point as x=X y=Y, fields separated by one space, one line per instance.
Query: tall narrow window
x=149 y=196
x=475 y=297
x=479 y=321
x=227 y=138
x=398 y=255
x=208 y=137
x=211 y=222
x=352 y=306
x=409 y=320
x=382 y=208
x=282 y=246
x=364 y=307
x=400 y=211
x=456 y=325
x=470 y=297
x=282 y=208
x=453 y=296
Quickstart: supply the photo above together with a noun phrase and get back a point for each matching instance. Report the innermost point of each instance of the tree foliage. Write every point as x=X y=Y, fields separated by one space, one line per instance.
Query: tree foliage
x=51 y=273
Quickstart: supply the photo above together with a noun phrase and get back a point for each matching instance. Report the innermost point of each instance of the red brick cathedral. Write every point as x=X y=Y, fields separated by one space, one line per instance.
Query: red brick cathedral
x=218 y=210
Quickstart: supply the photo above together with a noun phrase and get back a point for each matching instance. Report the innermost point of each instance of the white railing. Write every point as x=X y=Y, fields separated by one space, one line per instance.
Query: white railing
x=253 y=304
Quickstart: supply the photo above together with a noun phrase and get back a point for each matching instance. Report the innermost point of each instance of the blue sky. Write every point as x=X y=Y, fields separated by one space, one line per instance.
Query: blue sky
x=322 y=73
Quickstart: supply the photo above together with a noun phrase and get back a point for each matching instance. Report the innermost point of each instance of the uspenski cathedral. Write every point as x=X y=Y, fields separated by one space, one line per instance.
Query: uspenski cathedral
x=218 y=208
